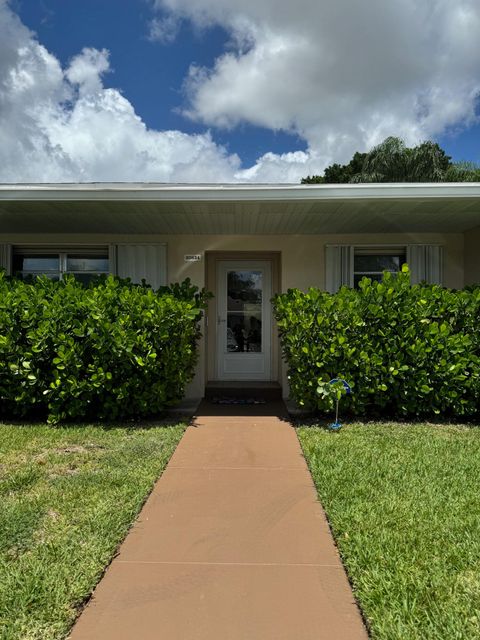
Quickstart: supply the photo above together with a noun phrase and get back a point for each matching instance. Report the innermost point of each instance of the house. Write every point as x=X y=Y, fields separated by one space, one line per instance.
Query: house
x=244 y=243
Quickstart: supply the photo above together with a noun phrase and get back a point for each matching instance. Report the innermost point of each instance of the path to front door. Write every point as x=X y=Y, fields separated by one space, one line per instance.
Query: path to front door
x=232 y=544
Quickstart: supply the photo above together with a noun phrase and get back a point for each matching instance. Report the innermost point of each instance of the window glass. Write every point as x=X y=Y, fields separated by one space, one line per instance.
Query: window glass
x=365 y=263
x=35 y=274
x=55 y=265
x=41 y=264
x=98 y=264
x=372 y=265
x=244 y=311
x=85 y=278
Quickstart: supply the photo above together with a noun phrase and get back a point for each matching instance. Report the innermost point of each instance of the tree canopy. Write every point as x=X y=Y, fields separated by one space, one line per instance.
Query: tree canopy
x=393 y=161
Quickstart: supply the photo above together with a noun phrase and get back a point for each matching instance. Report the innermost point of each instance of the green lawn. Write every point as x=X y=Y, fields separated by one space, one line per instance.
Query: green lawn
x=403 y=502
x=67 y=499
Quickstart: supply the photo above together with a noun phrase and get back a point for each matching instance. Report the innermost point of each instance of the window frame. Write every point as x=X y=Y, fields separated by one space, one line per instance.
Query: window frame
x=376 y=250
x=63 y=253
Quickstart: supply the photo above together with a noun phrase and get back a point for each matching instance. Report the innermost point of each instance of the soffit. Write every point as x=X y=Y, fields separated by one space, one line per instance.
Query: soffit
x=324 y=216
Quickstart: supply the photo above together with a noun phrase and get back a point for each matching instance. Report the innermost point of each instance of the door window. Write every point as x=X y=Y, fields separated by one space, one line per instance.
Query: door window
x=244 y=311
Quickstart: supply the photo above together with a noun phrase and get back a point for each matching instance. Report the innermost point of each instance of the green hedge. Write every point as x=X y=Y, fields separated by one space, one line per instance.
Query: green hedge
x=111 y=350
x=408 y=351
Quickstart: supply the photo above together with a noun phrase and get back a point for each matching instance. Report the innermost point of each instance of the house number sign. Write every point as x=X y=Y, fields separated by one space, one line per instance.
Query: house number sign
x=193 y=257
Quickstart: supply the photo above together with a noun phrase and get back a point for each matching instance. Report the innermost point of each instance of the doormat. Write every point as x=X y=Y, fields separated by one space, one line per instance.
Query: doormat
x=229 y=400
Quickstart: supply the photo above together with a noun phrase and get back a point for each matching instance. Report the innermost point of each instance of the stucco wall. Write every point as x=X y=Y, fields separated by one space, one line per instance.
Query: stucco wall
x=472 y=256
x=302 y=259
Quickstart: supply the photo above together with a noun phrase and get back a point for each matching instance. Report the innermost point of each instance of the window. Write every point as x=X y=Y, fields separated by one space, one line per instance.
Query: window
x=347 y=264
x=84 y=264
x=371 y=263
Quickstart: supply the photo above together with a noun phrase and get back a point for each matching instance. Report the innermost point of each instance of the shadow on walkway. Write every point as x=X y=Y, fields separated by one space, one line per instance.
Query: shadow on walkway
x=241 y=411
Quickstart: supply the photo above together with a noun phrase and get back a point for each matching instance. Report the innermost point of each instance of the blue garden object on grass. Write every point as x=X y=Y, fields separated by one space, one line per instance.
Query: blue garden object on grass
x=336 y=426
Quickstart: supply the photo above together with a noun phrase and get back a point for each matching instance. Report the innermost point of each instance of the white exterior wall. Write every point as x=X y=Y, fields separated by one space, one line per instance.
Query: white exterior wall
x=472 y=256
x=302 y=259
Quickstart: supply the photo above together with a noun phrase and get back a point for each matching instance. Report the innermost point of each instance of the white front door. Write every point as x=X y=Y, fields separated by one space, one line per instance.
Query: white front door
x=244 y=320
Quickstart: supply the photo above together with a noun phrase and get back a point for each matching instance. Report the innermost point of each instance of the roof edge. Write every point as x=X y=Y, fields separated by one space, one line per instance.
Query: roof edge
x=129 y=191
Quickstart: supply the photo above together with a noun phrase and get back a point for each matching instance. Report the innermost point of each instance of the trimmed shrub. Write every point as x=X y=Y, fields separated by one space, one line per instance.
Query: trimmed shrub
x=408 y=351
x=111 y=350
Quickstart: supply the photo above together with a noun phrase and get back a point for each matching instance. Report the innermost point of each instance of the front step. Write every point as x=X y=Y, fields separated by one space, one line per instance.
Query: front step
x=268 y=391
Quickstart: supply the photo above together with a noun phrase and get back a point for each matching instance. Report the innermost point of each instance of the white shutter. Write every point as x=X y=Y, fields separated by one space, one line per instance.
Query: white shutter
x=112 y=259
x=143 y=261
x=6 y=258
x=426 y=263
x=338 y=267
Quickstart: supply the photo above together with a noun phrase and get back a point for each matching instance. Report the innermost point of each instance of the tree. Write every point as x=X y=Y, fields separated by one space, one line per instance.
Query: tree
x=393 y=161
x=463 y=172
x=339 y=173
x=428 y=163
x=313 y=180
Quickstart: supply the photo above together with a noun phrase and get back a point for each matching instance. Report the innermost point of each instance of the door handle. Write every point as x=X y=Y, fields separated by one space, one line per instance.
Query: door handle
x=220 y=320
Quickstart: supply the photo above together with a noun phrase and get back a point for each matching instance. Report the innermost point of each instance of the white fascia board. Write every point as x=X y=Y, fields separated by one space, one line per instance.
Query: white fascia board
x=256 y=193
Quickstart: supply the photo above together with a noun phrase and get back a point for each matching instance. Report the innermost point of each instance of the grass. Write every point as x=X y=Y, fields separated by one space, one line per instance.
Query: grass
x=67 y=498
x=403 y=503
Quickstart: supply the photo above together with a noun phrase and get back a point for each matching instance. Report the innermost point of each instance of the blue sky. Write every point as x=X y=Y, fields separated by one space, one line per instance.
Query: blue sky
x=462 y=144
x=150 y=74
x=231 y=90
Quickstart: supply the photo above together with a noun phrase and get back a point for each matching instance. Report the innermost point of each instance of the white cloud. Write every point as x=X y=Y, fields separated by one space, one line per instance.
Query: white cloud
x=285 y=167
x=164 y=29
x=342 y=74
x=86 y=70
x=64 y=125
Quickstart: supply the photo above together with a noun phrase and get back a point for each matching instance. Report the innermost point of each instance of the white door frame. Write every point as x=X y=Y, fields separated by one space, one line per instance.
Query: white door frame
x=244 y=365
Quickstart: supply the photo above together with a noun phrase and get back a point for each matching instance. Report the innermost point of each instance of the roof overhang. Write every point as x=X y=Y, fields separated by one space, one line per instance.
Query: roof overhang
x=239 y=209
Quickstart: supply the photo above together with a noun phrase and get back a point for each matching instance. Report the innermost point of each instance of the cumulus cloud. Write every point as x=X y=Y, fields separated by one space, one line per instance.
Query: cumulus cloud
x=60 y=125
x=165 y=29
x=341 y=74
x=284 y=167
x=86 y=70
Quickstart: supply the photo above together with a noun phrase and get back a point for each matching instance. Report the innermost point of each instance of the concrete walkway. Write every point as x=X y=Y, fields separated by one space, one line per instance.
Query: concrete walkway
x=231 y=545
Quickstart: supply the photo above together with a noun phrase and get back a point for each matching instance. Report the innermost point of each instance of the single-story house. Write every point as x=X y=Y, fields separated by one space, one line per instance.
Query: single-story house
x=244 y=243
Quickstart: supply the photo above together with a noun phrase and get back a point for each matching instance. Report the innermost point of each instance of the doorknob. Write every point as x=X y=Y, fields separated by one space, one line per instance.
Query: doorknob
x=220 y=320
